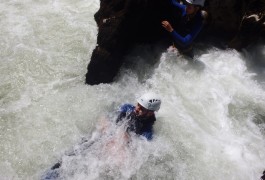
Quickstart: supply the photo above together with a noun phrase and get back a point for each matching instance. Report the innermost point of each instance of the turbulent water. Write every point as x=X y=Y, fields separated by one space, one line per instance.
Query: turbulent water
x=210 y=126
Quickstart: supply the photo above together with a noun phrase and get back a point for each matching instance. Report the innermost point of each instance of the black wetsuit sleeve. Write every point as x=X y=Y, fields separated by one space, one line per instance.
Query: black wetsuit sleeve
x=120 y=117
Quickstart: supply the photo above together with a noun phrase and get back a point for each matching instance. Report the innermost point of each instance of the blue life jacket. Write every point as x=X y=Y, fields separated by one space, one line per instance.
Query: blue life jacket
x=141 y=126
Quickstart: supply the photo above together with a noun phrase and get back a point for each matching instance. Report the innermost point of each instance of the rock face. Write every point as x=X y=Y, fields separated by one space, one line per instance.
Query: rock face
x=225 y=16
x=123 y=23
x=252 y=26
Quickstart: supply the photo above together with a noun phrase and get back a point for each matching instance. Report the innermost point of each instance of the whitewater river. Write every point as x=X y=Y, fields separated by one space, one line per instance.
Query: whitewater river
x=210 y=126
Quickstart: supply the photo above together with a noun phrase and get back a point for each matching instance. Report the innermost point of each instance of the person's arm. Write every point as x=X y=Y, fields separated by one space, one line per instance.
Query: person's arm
x=148 y=135
x=123 y=111
x=120 y=116
x=148 y=131
x=188 y=39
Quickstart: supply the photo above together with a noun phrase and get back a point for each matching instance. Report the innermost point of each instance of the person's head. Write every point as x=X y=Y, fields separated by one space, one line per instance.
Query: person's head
x=147 y=104
x=192 y=6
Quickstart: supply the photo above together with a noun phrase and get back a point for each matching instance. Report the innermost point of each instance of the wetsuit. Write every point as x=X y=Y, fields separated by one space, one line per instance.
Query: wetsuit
x=187 y=29
x=140 y=125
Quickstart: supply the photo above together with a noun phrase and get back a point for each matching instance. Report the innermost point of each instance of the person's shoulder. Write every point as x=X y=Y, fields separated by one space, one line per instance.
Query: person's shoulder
x=127 y=108
x=179 y=5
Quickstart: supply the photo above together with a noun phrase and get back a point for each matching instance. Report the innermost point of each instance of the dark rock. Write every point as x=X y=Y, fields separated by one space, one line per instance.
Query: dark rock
x=263 y=176
x=124 y=23
x=252 y=26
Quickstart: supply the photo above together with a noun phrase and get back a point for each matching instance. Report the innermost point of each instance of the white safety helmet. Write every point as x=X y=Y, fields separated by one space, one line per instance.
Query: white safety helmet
x=150 y=101
x=196 y=2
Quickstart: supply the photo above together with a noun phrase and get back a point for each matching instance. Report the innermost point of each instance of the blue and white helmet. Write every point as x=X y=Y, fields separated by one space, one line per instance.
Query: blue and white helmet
x=196 y=2
x=150 y=101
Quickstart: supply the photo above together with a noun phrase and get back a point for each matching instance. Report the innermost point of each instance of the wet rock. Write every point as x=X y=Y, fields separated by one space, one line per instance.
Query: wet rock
x=252 y=26
x=121 y=24
x=225 y=16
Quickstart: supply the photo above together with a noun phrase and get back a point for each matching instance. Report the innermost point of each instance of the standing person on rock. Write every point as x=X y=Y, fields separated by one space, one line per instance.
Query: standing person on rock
x=191 y=23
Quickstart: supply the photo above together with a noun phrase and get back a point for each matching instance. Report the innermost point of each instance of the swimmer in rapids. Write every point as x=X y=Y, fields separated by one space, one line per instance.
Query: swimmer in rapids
x=140 y=118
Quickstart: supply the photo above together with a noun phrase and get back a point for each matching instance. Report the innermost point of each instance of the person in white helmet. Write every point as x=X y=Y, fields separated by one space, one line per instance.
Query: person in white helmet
x=189 y=25
x=140 y=118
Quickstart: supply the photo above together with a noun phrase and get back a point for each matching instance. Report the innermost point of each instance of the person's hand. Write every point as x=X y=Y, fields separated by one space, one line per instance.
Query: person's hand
x=167 y=26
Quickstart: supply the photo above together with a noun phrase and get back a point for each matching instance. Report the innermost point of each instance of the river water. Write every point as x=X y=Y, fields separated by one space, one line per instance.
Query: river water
x=210 y=126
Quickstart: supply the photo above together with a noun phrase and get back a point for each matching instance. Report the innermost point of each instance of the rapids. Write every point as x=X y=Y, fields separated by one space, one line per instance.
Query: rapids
x=210 y=126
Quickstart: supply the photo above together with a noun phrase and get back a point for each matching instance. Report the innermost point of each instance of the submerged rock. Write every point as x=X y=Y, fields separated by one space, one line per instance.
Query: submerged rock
x=124 y=23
